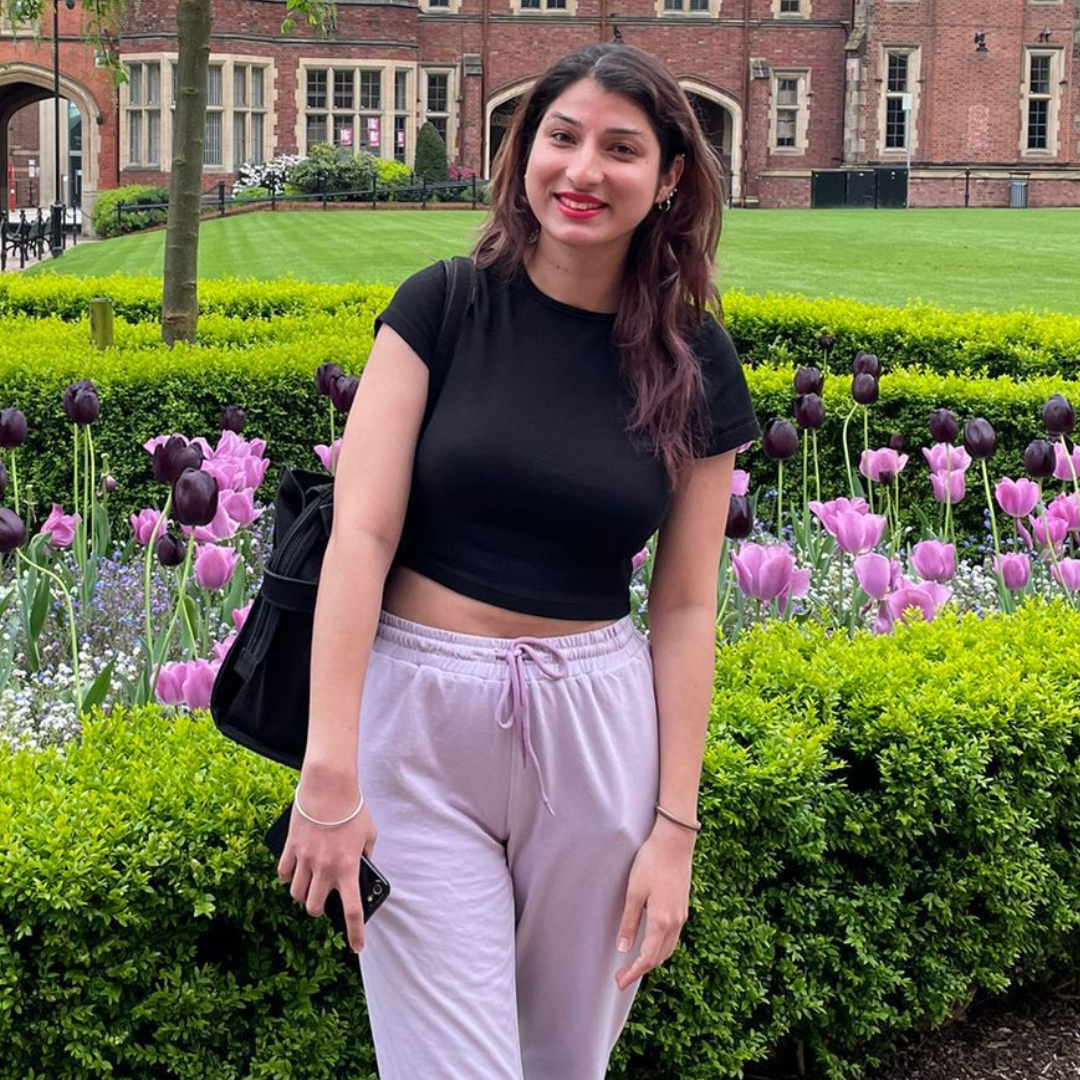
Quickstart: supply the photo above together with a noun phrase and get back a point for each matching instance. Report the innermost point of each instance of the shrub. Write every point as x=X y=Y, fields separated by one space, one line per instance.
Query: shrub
x=250 y=194
x=393 y=173
x=335 y=171
x=430 y=163
x=265 y=174
x=104 y=216
x=890 y=826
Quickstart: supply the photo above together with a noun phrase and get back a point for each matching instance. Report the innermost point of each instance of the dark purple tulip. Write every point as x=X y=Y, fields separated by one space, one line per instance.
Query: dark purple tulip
x=12 y=530
x=864 y=363
x=12 y=428
x=864 y=388
x=826 y=341
x=748 y=361
x=343 y=391
x=886 y=476
x=1058 y=415
x=195 y=497
x=897 y=442
x=1040 y=459
x=740 y=521
x=980 y=439
x=81 y=402
x=170 y=551
x=779 y=440
x=233 y=418
x=808 y=380
x=3 y=479
x=172 y=457
x=325 y=376
x=944 y=426
x=809 y=411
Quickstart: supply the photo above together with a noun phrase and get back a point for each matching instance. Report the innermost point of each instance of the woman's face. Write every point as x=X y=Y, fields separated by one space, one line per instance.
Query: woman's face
x=594 y=171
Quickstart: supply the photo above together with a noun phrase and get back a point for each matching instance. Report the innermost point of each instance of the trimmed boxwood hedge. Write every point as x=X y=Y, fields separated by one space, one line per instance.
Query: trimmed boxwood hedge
x=890 y=825
x=259 y=344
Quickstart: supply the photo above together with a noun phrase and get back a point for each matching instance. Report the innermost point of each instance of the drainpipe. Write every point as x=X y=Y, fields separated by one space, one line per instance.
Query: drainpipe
x=746 y=102
x=483 y=86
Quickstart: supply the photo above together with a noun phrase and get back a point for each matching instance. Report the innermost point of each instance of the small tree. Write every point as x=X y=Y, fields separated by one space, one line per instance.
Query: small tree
x=430 y=154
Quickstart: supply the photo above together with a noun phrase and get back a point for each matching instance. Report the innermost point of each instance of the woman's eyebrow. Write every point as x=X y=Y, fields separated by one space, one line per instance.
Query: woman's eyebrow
x=610 y=131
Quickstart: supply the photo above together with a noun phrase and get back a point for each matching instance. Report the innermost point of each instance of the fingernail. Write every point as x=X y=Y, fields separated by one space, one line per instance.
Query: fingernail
x=624 y=944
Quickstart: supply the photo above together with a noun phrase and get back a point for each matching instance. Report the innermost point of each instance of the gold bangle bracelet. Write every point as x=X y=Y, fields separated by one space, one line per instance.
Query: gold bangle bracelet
x=693 y=826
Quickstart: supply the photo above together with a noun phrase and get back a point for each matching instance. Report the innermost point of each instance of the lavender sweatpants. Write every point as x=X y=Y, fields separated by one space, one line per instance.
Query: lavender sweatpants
x=512 y=782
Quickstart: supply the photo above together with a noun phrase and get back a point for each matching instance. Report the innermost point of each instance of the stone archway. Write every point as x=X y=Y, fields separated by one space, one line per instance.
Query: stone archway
x=23 y=84
x=498 y=114
x=721 y=118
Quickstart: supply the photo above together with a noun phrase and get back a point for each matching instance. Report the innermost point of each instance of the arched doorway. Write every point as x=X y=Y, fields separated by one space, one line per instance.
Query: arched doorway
x=24 y=86
x=721 y=119
x=720 y=116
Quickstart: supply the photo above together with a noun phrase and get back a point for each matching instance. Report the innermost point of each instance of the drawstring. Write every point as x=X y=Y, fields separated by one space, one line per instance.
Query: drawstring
x=515 y=691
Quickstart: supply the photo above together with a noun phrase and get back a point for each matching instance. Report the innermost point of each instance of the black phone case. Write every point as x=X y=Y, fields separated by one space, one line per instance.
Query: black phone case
x=374 y=888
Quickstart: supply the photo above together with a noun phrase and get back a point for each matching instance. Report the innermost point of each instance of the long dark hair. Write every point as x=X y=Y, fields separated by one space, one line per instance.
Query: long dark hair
x=667 y=284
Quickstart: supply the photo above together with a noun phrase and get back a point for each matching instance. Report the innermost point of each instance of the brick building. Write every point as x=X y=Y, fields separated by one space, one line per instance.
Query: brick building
x=936 y=102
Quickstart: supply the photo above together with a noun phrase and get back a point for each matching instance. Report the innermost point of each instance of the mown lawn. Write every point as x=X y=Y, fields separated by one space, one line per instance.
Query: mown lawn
x=986 y=259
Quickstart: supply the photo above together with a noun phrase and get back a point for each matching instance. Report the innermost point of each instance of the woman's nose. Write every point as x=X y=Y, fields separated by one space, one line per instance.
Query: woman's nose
x=585 y=168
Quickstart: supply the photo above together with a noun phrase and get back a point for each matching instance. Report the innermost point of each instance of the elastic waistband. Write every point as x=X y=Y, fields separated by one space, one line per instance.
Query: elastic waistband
x=485 y=657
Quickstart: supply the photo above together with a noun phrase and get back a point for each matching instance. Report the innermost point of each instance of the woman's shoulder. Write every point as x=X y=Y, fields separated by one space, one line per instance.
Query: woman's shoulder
x=712 y=345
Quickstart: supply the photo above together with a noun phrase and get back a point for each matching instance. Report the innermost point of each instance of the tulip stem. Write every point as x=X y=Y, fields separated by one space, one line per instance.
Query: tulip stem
x=896 y=507
x=817 y=474
x=847 y=452
x=163 y=645
x=15 y=480
x=779 y=499
x=162 y=517
x=71 y=626
x=866 y=446
x=1072 y=467
x=805 y=472
x=1003 y=592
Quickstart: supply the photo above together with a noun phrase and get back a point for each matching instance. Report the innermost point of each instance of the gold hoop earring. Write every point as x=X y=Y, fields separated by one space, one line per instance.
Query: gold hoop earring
x=665 y=205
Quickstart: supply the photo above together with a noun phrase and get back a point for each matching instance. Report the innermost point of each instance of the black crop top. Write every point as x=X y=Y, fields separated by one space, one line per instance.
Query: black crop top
x=527 y=492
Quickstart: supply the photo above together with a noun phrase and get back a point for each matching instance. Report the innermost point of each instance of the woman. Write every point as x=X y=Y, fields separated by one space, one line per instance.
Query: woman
x=531 y=761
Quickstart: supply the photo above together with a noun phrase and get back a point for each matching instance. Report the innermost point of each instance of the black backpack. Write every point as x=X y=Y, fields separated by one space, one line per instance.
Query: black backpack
x=260 y=694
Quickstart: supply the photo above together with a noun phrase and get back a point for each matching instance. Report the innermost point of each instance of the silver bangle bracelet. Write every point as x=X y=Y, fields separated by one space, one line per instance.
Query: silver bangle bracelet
x=326 y=824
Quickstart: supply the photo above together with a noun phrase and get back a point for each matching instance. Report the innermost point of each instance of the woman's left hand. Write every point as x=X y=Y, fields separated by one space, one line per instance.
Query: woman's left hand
x=659 y=887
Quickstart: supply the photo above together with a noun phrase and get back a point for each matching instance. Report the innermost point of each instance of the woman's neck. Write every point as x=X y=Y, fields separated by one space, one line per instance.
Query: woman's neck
x=573 y=277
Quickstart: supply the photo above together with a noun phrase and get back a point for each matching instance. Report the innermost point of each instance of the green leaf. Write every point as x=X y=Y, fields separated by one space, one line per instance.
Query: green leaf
x=98 y=689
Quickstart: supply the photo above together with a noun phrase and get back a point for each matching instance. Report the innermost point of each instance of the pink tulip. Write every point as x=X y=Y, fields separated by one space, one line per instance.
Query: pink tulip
x=740 y=482
x=826 y=512
x=942 y=457
x=768 y=573
x=221 y=648
x=228 y=472
x=240 y=614
x=1067 y=573
x=152 y=444
x=239 y=505
x=933 y=560
x=948 y=488
x=1015 y=570
x=323 y=453
x=255 y=471
x=874 y=573
x=639 y=560
x=198 y=682
x=743 y=447
x=873 y=463
x=856 y=532
x=1065 y=507
x=214 y=566
x=1049 y=529
x=142 y=524
x=883 y=620
x=222 y=527
x=929 y=597
x=169 y=688
x=1017 y=497
x=1062 y=468
x=59 y=528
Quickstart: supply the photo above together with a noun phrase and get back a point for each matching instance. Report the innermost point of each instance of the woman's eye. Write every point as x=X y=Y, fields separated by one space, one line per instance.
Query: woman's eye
x=560 y=136
x=622 y=148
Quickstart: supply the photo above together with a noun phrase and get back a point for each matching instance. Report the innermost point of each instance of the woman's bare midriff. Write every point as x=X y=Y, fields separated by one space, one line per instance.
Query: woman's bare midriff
x=412 y=596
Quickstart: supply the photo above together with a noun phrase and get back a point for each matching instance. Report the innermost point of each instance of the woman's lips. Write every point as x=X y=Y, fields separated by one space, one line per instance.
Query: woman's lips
x=579 y=208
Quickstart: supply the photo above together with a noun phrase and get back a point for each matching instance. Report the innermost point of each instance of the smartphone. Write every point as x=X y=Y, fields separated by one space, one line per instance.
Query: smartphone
x=374 y=888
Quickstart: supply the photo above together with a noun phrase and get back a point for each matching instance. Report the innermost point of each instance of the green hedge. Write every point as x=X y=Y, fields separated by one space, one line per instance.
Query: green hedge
x=104 y=218
x=890 y=824
x=1016 y=344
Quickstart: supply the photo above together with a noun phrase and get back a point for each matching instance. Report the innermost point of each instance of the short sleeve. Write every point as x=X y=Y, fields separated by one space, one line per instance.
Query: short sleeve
x=731 y=417
x=415 y=312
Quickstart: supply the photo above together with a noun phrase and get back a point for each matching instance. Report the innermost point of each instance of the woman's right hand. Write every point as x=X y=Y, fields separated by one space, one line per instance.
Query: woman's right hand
x=318 y=858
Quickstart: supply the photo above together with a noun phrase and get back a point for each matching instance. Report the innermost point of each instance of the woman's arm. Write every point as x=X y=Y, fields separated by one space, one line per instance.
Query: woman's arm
x=371 y=491
x=682 y=636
